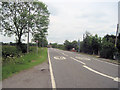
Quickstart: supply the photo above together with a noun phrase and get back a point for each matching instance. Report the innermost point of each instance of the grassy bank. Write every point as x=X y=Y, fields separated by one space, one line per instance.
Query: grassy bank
x=24 y=62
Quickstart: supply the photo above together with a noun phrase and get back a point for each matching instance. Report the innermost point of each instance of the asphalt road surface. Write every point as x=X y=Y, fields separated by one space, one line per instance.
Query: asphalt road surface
x=73 y=70
x=36 y=77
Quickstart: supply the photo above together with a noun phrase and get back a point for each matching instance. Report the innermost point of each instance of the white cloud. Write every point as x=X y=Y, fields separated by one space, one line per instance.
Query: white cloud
x=69 y=19
x=73 y=19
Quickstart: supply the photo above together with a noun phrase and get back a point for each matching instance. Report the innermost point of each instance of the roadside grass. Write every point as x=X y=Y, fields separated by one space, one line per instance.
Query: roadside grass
x=27 y=61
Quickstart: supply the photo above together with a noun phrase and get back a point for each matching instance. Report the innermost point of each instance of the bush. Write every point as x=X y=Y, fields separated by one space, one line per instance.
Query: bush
x=108 y=50
x=10 y=51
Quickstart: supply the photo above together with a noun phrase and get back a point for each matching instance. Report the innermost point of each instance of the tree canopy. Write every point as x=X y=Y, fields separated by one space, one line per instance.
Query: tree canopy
x=20 y=17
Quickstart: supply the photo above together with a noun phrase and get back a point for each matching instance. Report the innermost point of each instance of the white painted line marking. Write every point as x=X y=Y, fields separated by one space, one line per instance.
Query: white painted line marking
x=84 y=65
x=106 y=62
x=59 y=58
x=64 y=54
x=115 y=79
x=77 y=60
x=51 y=73
x=82 y=58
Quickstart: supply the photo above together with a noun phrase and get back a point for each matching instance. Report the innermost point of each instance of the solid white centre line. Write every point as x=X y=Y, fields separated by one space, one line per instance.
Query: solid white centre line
x=51 y=73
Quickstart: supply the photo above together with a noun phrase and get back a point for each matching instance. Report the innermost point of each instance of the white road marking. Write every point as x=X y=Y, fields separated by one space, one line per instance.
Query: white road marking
x=84 y=65
x=64 y=54
x=78 y=60
x=59 y=58
x=115 y=79
x=87 y=59
x=82 y=58
x=51 y=73
x=106 y=62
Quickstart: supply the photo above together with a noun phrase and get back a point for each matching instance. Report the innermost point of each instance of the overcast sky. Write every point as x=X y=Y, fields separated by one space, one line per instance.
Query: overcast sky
x=69 y=19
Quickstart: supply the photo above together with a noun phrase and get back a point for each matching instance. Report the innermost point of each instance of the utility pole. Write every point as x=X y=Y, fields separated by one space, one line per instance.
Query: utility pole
x=115 y=56
x=116 y=35
x=37 y=45
x=79 y=45
x=28 y=33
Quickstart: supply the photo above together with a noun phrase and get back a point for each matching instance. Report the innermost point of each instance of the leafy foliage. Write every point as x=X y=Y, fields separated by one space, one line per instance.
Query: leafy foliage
x=19 y=18
x=108 y=48
x=12 y=52
x=104 y=47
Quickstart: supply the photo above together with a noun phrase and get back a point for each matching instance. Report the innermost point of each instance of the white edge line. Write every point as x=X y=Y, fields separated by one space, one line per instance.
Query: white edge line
x=51 y=72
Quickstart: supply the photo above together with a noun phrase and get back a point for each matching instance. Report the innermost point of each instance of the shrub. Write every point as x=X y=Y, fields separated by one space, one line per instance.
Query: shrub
x=108 y=50
x=10 y=51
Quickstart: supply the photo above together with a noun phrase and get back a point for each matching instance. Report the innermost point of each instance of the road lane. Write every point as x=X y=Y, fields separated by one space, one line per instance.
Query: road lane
x=103 y=67
x=69 y=73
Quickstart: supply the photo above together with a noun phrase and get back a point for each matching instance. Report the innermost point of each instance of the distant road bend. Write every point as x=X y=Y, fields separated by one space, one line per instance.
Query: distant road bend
x=72 y=70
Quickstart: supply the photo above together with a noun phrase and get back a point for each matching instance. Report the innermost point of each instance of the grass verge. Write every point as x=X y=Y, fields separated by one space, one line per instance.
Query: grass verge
x=27 y=61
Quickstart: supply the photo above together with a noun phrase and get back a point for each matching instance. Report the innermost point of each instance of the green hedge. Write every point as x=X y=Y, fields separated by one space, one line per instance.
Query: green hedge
x=10 y=51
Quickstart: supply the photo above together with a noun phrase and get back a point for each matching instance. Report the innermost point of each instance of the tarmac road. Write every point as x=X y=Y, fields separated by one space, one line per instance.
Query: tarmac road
x=36 y=77
x=67 y=70
x=72 y=70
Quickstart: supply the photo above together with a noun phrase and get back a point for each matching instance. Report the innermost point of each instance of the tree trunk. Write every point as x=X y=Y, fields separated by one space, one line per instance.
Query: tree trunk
x=19 y=43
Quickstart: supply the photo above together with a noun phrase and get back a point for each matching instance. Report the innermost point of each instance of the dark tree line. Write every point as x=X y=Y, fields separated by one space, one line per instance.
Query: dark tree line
x=104 y=47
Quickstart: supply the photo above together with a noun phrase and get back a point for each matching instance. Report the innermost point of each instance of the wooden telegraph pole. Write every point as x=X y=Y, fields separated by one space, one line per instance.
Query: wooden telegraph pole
x=79 y=45
x=116 y=35
x=28 y=33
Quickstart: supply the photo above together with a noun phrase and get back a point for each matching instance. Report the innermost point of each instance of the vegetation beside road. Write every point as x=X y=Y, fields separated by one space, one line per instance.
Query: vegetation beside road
x=94 y=45
x=22 y=19
x=15 y=64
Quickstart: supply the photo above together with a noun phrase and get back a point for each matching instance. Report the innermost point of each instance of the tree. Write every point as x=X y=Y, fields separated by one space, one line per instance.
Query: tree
x=41 y=23
x=42 y=41
x=91 y=44
x=54 y=45
x=75 y=44
x=18 y=17
x=87 y=43
x=96 y=44
x=68 y=45
x=14 y=19
x=108 y=47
